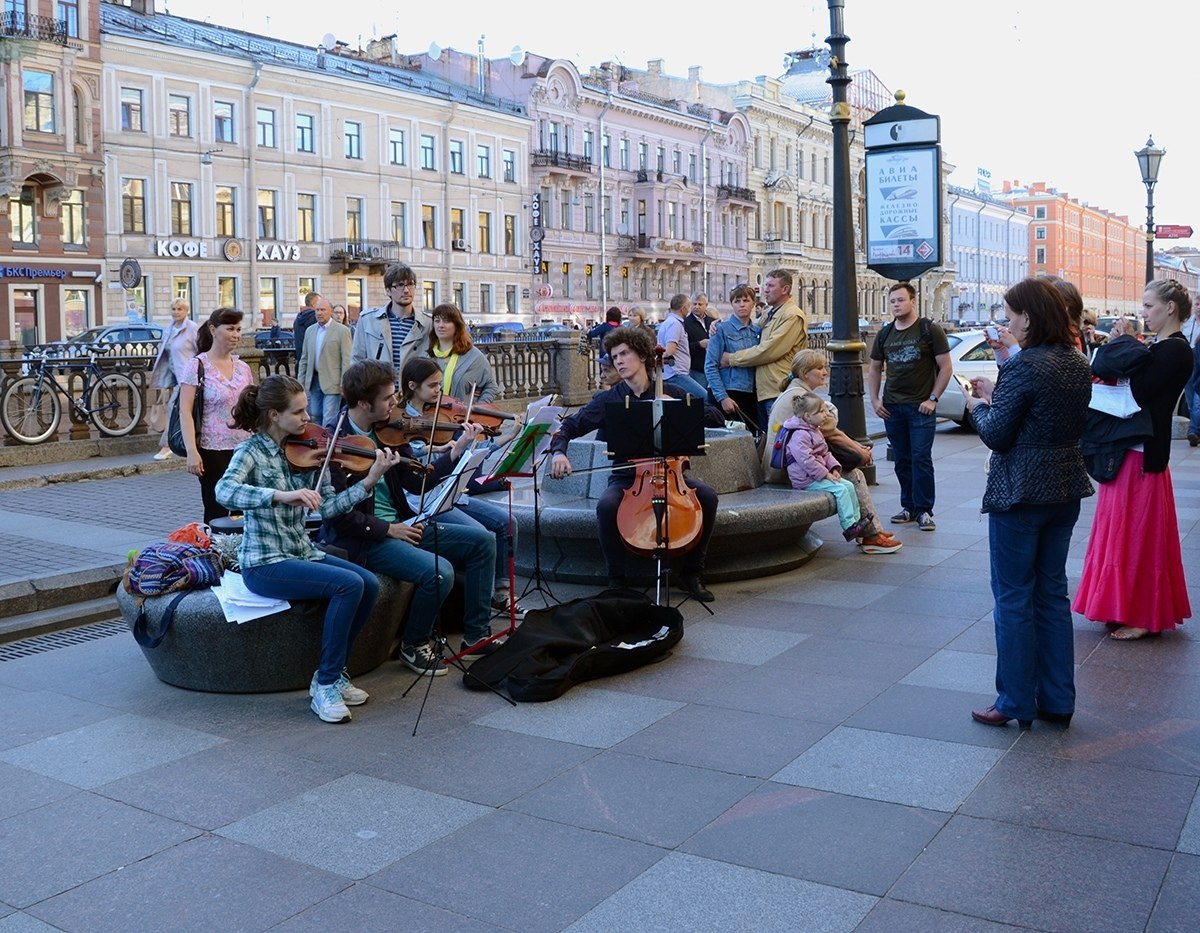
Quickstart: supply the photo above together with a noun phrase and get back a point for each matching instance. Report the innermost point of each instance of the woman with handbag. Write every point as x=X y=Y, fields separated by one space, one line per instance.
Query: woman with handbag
x=1031 y=420
x=177 y=348
x=810 y=371
x=210 y=444
x=1133 y=573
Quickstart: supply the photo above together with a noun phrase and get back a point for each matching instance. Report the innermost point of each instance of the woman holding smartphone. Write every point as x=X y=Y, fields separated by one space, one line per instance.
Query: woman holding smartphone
x=1032 y=419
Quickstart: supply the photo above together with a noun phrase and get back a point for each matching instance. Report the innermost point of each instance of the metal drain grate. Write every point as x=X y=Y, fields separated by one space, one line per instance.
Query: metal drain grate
x=51 y=640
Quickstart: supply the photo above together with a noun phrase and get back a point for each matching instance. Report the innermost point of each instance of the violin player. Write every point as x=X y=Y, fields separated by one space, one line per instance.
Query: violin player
x=376 y=533
x=632 y=352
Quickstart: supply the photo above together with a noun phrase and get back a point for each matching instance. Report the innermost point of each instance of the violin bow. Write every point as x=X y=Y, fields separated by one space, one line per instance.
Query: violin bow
x=437 y=410
x=337 y=430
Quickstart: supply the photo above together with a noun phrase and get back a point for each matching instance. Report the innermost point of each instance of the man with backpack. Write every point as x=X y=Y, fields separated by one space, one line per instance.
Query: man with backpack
x=916 y=355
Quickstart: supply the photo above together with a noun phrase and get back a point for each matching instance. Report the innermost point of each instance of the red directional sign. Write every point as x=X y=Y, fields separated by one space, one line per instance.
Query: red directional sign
x=1172 y=232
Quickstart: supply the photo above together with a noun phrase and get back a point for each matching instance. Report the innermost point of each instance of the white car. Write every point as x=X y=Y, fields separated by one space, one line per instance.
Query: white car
x=971 y=357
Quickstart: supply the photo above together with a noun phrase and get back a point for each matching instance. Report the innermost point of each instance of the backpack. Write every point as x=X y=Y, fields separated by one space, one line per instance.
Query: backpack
x=779 y=454
x=923 y=323
x=169 y=567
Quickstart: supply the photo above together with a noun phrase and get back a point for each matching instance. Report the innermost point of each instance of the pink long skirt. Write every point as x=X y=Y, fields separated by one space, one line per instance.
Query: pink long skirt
x=1133 y=572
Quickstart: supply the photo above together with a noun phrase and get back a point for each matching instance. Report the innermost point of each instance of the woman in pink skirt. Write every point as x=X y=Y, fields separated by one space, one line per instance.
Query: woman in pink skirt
x=1133 y=572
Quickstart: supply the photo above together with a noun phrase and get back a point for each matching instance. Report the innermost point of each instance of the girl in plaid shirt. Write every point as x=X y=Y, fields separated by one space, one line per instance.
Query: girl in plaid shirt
x=276 y=555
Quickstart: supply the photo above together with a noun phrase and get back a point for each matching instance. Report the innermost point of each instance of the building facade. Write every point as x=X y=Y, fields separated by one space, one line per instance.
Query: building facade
x=1098 y=251
x=52 y=248
x=989 y=244
x=247 y=172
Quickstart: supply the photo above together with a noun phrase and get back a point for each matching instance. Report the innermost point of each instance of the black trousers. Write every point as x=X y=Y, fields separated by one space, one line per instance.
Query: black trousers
x=216 y=462
x=613 y=547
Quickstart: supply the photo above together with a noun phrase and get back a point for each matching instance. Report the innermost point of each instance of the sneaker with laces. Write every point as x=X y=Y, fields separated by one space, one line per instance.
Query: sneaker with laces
x=472 y=651
x=328 y=704
x=422 y=659
x=879 y=544
x=903 y=517
x=351 y=695
x=500 y=605
x=925 y=522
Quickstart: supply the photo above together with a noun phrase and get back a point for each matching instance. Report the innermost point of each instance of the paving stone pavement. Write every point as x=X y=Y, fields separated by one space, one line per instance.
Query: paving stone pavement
x=805 y=761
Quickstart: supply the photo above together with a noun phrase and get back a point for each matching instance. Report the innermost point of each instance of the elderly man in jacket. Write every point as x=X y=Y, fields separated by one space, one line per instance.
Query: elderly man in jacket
x=324 y=359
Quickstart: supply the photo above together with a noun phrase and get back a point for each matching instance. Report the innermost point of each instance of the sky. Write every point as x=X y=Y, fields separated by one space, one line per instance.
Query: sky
x=1060 y=91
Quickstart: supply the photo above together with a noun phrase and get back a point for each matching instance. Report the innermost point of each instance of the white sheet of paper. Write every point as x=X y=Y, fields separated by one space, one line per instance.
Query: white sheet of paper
x=240 y=605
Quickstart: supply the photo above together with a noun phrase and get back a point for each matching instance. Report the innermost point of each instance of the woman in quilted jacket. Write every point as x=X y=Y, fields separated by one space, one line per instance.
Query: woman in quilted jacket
x=1031 y=419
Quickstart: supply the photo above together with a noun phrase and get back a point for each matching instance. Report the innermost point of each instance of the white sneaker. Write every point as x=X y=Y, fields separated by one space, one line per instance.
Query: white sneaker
x=328 y=704
x=164 y=454
x=351 y=695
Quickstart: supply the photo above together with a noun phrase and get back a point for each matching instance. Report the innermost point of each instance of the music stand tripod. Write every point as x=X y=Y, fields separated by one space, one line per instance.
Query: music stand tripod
x=443 y=503
x=656 y=429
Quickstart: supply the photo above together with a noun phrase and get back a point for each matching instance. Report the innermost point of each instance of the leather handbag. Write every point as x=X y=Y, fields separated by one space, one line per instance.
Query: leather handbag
x=175 y=428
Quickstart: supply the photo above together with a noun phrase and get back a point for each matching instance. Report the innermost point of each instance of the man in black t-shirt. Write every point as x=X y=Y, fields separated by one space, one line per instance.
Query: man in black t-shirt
x=917 y=357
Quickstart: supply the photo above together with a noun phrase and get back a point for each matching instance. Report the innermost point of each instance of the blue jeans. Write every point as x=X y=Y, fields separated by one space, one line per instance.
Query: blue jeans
x=1035 y=647
x=350 y=589
x=479 y=513
x=459 y=547
x=687 y=384
x=322 y=408
x=1192 y=393
x=910 y=435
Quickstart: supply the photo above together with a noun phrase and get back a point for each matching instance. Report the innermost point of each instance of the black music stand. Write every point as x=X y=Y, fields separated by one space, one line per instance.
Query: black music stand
x=656 y=429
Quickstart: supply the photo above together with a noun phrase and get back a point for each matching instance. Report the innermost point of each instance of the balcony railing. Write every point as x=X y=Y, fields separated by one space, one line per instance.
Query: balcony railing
x=736 y=193
x=550 y=157
x=46 y=28
x=369 y=252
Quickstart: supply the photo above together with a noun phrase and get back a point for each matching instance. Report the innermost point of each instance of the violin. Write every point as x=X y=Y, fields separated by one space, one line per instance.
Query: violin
x=486 y=416
x=402 y=430
x=352 y=452
x=659 y=514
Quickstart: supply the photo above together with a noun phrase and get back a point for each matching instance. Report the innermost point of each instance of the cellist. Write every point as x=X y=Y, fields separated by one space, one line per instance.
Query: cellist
x=632 y=353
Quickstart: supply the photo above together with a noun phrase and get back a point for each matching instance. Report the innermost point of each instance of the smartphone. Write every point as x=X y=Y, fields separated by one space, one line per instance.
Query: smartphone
x=991 y=332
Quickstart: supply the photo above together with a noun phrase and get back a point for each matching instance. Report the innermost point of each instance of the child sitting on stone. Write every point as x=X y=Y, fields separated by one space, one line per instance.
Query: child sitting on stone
x=811 y=466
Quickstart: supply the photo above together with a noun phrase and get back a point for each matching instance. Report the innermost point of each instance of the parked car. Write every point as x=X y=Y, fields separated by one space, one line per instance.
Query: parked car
x=139 y=332
x=274 y=338
x=496 y=330
x=971 y=358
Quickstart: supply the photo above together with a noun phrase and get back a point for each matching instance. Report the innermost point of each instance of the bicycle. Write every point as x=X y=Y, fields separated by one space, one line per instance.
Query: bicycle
x=31 y=408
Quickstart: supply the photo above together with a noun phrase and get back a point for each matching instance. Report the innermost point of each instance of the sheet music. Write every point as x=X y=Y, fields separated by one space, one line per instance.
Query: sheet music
x=443 y=496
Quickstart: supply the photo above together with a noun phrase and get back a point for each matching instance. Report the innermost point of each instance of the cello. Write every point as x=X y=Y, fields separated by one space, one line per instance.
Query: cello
x=659 y=514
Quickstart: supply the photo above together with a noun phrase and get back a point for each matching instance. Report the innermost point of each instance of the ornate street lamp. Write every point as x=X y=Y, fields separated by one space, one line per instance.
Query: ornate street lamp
x=846 y=377
x=1149 y=159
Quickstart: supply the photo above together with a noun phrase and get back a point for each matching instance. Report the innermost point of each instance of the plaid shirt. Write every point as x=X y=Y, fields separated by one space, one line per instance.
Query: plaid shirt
x=275 y=532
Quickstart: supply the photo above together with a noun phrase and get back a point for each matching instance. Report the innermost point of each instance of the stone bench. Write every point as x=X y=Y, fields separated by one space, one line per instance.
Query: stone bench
x=760 y=529
x=203 y=651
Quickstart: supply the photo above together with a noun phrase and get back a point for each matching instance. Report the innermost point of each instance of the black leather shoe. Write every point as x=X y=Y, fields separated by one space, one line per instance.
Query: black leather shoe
x=696 y=588
x=1193 y=440
x=993 y=717
x=1059 y=719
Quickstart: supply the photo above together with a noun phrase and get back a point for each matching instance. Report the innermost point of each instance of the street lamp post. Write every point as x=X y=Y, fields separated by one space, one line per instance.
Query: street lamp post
x=1149 y=158
x=846 y=377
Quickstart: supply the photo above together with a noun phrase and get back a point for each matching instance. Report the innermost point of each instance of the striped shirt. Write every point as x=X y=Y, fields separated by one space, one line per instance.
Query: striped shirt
x=401 y=327
x=275 y=532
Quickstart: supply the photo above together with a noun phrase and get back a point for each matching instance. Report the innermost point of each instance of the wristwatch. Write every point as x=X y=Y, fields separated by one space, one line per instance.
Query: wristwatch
x=933 y=398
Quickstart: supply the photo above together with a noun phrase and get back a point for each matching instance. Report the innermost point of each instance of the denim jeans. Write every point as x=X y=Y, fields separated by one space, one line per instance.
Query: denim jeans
x=480 y=513
x=687 y=384
x=1192 y=393
x=458 y=547
x=910 y=434
x=322 y=408
x=613 y=547
x=350 y=589
x=1035 y=648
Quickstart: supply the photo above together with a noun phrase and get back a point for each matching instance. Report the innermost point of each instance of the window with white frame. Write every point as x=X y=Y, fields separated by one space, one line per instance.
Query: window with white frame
x=131 y=109
x=306 y=217
x=181 y=208
x=224 y=127
x=396 y=146
x=428 y=152
x=306 y=132
x=264 y=119
x=456 y=157
x=39 y=101
x=352 y=139
x=179 y=115
x=226 y=210
x=483 y=161
x=400 y=223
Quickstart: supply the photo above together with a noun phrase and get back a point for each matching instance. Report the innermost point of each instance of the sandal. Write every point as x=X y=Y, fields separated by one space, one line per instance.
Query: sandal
x=1130 y=633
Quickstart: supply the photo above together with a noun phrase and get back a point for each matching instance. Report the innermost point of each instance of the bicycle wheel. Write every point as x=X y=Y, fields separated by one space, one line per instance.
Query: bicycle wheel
x=30 y=410
x=115 y=404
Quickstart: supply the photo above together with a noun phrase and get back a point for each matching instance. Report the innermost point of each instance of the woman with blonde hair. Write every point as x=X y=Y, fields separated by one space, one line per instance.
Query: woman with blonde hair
x=177 y=348
x=810 y=371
